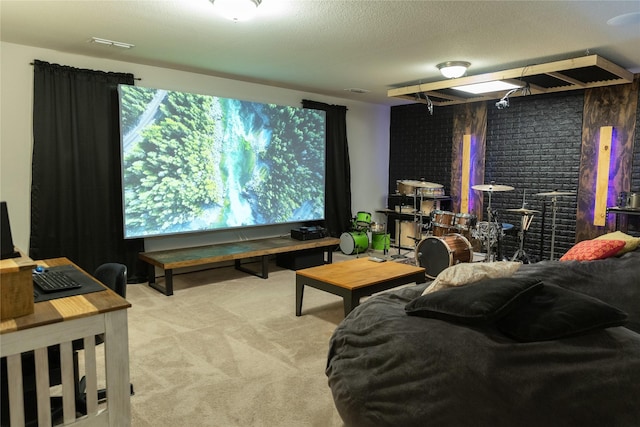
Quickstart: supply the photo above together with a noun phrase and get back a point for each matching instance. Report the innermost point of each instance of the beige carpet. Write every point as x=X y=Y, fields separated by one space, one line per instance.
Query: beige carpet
x=227 y=350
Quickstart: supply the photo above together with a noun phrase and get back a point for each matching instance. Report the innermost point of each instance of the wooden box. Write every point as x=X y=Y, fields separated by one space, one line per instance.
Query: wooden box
x=16 y=287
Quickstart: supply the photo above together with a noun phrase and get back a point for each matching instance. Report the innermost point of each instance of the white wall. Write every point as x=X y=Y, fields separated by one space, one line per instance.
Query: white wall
x=367 y=132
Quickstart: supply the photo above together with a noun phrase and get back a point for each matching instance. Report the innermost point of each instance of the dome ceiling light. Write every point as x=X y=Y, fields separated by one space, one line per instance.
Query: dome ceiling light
x=453 y=69
x=237 y=10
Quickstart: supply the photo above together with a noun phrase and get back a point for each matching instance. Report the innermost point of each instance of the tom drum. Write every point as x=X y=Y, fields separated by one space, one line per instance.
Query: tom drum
x=464 y=222
x=443 y=217
x=435 y=254
x=363 y=219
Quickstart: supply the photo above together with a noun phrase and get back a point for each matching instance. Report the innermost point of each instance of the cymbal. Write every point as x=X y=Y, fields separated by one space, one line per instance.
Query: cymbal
x=423 y=184
x=492 y=187
x=523 y=211
x=557 y=193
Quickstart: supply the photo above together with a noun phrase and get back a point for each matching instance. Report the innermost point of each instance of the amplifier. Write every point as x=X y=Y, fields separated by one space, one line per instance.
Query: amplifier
x=308 y=233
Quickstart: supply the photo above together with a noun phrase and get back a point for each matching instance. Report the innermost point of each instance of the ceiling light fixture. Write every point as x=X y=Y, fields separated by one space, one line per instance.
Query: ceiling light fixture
x=453 y=69
x=237 y=10
x=113 y=43
x=488 y=87
x=565 y=75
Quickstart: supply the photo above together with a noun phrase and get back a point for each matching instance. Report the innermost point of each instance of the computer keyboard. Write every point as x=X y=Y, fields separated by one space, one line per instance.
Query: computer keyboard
x=54 y=281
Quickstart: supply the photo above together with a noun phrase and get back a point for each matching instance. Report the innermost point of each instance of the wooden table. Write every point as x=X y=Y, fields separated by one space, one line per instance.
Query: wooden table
x=233 y=251
x=59 y=322
x=355 y=279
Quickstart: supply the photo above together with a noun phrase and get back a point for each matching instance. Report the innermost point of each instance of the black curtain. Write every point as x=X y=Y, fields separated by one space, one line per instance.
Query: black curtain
x=338 y=179
x=76 y=192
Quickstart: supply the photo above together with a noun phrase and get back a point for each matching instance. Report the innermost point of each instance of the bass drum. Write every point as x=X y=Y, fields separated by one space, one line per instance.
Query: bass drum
x=354 y=242
x=437 y=253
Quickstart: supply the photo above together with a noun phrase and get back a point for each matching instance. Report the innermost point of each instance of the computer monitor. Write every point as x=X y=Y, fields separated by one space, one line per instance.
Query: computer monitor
x=7 y=249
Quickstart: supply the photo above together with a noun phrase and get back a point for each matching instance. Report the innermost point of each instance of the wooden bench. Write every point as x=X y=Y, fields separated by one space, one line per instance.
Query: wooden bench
x=169 y=260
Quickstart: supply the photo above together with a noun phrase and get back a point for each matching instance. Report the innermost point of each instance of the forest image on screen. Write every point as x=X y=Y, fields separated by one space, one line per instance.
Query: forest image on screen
x=197 y=162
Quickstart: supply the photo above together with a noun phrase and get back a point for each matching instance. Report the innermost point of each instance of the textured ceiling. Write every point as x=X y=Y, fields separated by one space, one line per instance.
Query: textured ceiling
x=327 y=46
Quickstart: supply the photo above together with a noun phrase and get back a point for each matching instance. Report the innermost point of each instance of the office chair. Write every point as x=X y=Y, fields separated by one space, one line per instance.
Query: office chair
x=114 y=276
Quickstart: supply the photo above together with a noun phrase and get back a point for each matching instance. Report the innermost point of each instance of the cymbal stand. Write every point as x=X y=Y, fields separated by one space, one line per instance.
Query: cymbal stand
x=387 y=214
x=488 y=243
x=384 y=238
x=520 y=254
x=399 y=255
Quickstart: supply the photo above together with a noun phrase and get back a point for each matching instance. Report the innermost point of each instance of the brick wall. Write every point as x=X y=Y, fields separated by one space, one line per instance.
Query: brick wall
x=420 y=145
x=533 y=145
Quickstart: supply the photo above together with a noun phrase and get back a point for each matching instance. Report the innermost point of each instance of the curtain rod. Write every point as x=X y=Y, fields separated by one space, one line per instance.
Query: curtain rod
x=135 y=78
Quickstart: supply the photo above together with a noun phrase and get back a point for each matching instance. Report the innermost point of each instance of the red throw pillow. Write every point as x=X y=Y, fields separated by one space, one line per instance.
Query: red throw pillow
x=589 y=250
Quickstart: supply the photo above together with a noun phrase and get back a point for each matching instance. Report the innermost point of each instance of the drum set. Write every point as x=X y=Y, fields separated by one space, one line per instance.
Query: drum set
x=440 y=238
x=356 y=241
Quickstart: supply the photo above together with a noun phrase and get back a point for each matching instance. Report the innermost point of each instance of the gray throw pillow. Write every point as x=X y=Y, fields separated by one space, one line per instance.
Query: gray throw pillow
x=479 y=303
x=555 y=312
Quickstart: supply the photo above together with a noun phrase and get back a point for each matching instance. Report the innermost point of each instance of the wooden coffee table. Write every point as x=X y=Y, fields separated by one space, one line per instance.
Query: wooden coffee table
x=355 y=279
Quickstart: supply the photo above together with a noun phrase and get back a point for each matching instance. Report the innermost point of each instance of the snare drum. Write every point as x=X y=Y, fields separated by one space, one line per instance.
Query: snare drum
x=354 y=242
x=488 y=231
x=363 y=219
x=430 y=192
x=437 y=253
x=378 y=227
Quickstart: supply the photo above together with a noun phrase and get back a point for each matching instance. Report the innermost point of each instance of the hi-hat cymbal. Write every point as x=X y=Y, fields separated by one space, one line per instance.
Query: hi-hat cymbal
x=492 y=187
x=423 y=184
x=523 y=211
x=557 y=193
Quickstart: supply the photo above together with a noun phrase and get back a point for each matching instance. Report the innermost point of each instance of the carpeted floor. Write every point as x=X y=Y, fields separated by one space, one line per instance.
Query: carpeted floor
x=227 y=350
